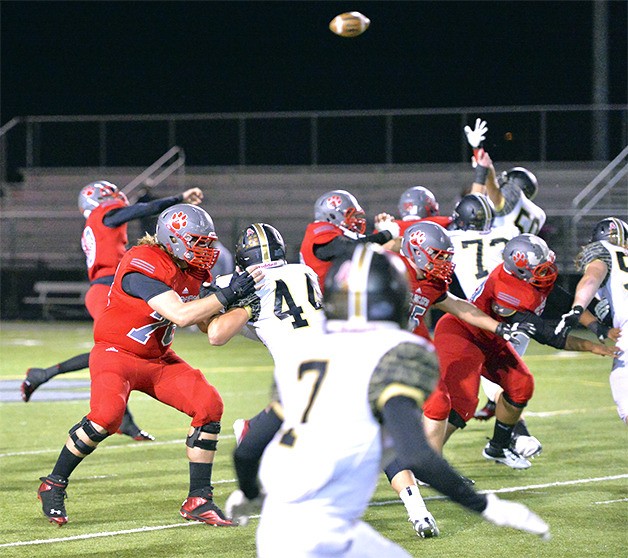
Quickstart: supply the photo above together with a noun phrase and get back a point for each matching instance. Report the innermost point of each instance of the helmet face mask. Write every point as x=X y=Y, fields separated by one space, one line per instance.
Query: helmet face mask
x=528 y=258
x=341 y=208
x=474 y=212
x=369 y=286
x=97 y=193
x=523 y=178
x=187 y=232
x=259 y=244
x=418 y=202
x=611 y=230
x=429 y=247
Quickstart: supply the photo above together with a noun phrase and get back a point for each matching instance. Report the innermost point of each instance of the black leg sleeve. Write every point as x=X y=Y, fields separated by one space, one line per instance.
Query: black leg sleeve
x=247 y=456
x=402 y=420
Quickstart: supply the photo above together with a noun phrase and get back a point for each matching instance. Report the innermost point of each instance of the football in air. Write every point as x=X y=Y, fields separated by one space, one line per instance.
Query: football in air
x=349 y=24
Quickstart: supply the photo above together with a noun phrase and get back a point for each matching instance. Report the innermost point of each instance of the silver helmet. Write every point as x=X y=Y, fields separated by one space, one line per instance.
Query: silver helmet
x=523 y=178
x=97 y=193
x=340 y=208
x=187 y=232
x=528 y=258
x=430 y=248
x=418 y=202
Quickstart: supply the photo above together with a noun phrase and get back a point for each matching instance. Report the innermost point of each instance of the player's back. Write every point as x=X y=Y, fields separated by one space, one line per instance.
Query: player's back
x=524 y=214
x=329 y=435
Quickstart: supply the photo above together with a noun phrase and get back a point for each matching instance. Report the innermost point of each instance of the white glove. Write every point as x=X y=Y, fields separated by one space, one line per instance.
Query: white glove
x=390 y=226
x=478 y=135
x=240 y=509
x=569 y=320
x=513 y=514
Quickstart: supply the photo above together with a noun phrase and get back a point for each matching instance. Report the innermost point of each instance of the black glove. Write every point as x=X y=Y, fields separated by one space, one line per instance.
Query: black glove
x=599 y=329
x=602 y=309
x=207 y=289
x=509 y=331
x=569 y=320
x=240 y=286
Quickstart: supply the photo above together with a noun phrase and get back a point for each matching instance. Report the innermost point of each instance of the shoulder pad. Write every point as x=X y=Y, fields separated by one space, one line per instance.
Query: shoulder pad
x=408 y=369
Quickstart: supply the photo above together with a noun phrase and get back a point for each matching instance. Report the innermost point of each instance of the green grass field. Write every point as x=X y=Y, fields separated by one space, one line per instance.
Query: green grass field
x=124 y=499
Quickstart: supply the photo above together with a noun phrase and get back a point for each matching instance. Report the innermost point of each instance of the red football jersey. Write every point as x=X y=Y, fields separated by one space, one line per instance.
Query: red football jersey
x=129 y=323
x=425 y=292
x=103 y=246
x=318 y=232
x=507 y=291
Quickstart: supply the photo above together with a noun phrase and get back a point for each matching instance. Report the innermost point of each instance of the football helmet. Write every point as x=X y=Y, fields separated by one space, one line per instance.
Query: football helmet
x=96 y=193
x=612 y=230
x=369 y=285
x=259 y=243
x=417 y=202
x=430 y=248
x=528 y=258
x=187 y=232
x=340 y=208
x=474 y=212
x=522 y=178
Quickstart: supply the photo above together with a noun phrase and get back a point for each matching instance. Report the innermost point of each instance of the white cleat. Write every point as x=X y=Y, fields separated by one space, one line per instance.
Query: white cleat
x=527 y=446
x=506 y=456
x=425 y=526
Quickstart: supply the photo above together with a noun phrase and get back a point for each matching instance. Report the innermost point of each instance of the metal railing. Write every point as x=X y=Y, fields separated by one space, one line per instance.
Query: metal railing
x=396 y=136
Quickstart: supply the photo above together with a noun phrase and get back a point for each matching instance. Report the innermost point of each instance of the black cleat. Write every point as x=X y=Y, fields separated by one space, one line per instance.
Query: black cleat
x=51 y=494
x=34 y=378
x=129 y=428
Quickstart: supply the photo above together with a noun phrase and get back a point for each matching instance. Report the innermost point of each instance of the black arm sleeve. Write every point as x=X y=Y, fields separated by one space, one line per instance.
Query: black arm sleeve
x=342 y=245
x=544 y=329
x=118 y=217
x=140 y=286
x=402 y=420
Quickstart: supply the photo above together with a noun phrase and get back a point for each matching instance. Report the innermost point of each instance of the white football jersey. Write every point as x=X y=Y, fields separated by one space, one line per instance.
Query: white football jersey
x=329 y=448
x=519 y=211
x=289 y=301
x=615 y=289
x=477 y=253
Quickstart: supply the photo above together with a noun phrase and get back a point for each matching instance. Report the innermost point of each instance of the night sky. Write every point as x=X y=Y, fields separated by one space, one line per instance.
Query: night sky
x=182 y=57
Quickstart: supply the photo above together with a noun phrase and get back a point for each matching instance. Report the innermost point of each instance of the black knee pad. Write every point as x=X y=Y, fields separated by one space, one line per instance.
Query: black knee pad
x=456 y=419
x=513 y=403
x=392 y=469
x=194 y=440
x=91 y=433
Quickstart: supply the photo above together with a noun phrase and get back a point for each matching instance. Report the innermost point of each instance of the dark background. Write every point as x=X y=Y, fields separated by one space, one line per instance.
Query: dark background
x=61 y=58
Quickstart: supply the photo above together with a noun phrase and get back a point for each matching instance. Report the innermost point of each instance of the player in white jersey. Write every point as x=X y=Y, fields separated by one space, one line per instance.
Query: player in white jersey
x=478 y=245
x=365 y=376
x=287 y=306
x=512 y=193
x=605 y=264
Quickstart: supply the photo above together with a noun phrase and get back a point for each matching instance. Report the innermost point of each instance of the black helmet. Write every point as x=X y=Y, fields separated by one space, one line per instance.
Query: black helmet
x=474 y=212
x=259 y=243
x=369 y=285
x=523 y=178
x=612 y=230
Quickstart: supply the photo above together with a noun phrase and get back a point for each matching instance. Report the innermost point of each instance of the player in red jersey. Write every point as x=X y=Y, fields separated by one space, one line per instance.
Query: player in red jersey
x=155 y=290
x=104 y=240
x=417 y=204
x=515 y=290
x=427 y=251
x=339 y=223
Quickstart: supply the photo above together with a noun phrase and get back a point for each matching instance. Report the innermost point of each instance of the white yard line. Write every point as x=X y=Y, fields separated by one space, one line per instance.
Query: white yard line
x=386 y=503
